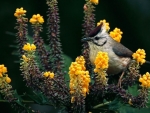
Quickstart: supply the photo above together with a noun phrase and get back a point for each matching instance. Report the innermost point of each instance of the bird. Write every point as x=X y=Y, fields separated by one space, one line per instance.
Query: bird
x=119 y=55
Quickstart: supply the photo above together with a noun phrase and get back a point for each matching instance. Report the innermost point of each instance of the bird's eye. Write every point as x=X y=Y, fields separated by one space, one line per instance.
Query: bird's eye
x=96 y=38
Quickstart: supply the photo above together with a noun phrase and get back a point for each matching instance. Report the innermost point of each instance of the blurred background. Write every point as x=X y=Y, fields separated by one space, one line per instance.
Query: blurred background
x=131 y=16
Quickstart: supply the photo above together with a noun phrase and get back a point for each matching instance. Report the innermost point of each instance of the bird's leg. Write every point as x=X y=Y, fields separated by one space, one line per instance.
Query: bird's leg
x=119 y=81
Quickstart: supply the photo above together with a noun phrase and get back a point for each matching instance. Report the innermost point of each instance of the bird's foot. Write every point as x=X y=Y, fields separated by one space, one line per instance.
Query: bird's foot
x=120 y=79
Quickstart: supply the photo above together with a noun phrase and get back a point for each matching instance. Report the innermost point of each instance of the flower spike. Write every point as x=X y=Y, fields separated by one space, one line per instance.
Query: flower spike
x=21 y=27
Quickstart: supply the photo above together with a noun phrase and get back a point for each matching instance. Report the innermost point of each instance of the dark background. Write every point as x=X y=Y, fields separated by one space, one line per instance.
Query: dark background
x=131 y=16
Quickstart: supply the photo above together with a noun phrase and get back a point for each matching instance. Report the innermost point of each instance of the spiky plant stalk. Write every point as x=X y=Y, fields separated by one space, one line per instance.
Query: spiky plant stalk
x=88 y=26
x=21 y=26
x=132 y=75
x=41 y=49
x=30 y=71
x=138 y=101
x=56 y=54
x=9 y=94
x=53 y=37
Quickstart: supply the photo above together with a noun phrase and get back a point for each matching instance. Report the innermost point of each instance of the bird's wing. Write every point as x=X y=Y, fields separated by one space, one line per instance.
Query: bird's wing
x=121 y=50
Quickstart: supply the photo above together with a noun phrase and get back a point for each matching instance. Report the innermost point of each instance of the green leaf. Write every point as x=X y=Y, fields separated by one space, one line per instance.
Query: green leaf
x=35 y=98
x=19 y=99
x=39 y=98
x=67 y=61
x=115 y=105
x=30 y=39
x=133 y=90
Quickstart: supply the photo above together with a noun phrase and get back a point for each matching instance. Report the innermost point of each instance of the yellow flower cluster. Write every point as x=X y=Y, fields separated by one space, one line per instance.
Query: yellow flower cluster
x=49 y=74
x=79 y=78
x=101 y=61
x=104 y=22
x=37 y=19
x=145 y=80
x=19 y=12
x=29 y=47
x=101 y=64
x=94 y=1
x=3 y=70
x=139 y=56
x=116 y=34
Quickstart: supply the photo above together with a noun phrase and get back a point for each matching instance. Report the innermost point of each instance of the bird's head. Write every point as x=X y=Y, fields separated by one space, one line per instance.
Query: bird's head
x=98 y=36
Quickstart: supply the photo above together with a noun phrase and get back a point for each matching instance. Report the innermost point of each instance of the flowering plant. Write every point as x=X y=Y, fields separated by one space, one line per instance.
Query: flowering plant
x=89 y=87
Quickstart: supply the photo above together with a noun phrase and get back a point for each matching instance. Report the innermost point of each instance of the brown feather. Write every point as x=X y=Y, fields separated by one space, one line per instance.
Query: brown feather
x=95 y=31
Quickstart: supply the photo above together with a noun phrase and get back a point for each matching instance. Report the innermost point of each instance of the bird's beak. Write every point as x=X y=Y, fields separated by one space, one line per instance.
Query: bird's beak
x=86 y=39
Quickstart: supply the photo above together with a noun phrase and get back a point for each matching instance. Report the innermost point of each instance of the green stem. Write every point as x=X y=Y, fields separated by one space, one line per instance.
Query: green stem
x=24 y=101
x=100 y=105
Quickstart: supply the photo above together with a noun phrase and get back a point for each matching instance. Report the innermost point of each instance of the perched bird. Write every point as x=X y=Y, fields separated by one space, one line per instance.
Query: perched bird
x=119 y=55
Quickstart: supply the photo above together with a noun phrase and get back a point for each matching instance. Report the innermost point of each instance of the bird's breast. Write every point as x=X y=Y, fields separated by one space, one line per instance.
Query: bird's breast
x=116 y=64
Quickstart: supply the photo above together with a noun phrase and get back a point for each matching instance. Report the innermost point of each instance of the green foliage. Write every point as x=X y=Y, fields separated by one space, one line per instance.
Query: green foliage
x=19 y=99
x=67 y=61
x=134 y=89
x=39 y=98
x=20 y=102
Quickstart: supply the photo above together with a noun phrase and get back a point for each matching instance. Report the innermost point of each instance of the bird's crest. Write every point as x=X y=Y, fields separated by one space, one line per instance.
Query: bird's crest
x=95 y=31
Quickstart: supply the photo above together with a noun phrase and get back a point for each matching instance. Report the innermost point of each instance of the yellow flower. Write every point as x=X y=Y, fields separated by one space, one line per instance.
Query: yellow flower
x=101 y=61
x=7 y=79
x=140 y=56
x=80 y=60
x=145 y=80
x=79 y=77
x=33 y=47
x=3 y=69
x=72 y=99
x=37 y=19
x=1 y=75
x=94 y=1
x=29 y=47
x=49 y=74
x=130 y=102
x=19 y=12
x=25 y=58
x=116 y=34
x=101 y=64
x=104 y=22
x=46 y=74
